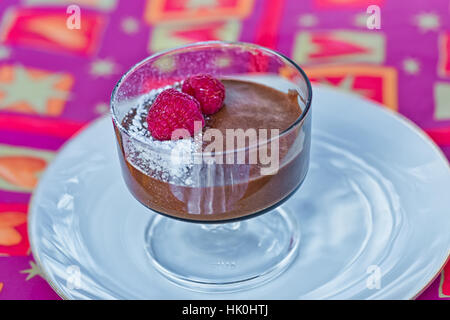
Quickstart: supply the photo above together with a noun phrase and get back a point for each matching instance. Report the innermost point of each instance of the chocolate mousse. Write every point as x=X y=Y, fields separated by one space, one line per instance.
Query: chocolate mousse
x=211 y=192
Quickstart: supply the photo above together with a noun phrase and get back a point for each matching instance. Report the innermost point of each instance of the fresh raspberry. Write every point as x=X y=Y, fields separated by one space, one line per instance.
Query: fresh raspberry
x=209 y=91
x=173 y=110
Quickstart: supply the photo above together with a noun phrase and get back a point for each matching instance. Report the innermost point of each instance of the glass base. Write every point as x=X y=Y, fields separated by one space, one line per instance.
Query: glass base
x=223 y=257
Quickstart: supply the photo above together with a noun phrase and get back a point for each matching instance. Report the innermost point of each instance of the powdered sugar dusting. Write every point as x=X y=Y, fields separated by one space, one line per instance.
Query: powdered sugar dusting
x=170 y=160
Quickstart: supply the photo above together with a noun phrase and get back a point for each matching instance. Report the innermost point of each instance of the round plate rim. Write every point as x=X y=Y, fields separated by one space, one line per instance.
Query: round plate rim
x=85 y=129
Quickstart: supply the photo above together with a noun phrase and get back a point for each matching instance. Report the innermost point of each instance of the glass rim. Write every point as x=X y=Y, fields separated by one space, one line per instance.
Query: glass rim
x=300 y=118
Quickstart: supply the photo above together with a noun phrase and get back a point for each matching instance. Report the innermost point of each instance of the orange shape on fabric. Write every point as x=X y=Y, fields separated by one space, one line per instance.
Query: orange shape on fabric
x=13 y=229
x=9 y=236
x=444 y=54
x=188 y=10
x=1 y=286
x=168 y=35
x=343 y=46
x=21 y=170
x=47 y=29
x=373 y=82
x=334 y=47
x=208 y=31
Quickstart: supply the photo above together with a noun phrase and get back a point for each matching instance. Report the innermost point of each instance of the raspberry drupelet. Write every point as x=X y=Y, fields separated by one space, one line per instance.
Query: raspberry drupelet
x=174 y=110
x=208 y=91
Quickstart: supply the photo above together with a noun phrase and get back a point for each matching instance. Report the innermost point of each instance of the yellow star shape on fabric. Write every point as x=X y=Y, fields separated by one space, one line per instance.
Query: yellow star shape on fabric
x=427 y=21
x=103 y=67
x=129 y=25
x=33 y=271
x=411 y=66
x=308 y=20
x=34 y=91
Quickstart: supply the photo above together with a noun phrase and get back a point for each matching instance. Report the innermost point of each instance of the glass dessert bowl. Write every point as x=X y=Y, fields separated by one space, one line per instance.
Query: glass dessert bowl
x=240 y=161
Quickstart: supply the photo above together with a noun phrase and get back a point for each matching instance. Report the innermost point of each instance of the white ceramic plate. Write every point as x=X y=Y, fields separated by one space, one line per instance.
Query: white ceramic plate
x=375 y=203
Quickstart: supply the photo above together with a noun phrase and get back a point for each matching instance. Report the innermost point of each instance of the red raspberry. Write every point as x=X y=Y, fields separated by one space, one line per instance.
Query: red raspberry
x=209 y=91
x=173 y=110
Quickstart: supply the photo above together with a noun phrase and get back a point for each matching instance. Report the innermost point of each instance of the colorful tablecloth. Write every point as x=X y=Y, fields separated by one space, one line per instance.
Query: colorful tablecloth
x=56 y=77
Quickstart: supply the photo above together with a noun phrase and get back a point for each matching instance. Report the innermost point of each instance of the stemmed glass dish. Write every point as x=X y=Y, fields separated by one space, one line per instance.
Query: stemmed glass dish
x=202 y=237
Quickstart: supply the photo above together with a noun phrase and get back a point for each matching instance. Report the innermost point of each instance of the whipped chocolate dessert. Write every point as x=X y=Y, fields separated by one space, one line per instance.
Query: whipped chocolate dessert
x=213 y=191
